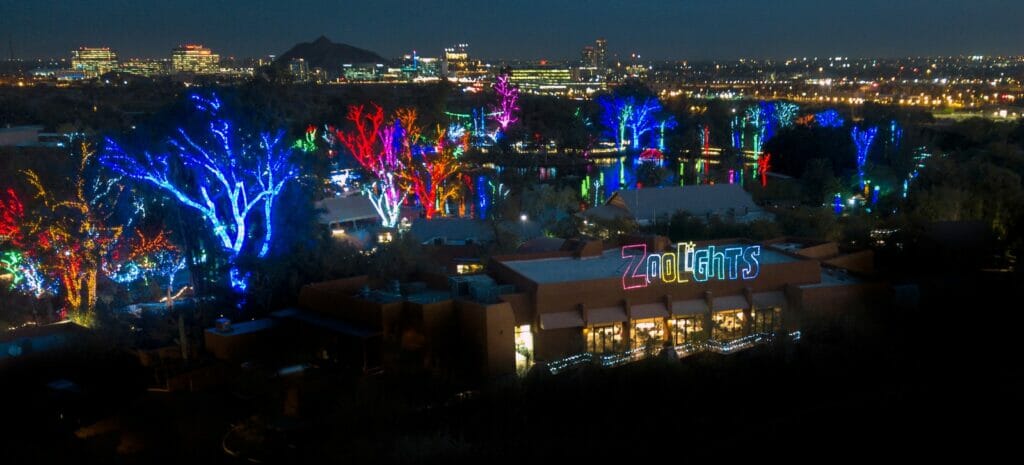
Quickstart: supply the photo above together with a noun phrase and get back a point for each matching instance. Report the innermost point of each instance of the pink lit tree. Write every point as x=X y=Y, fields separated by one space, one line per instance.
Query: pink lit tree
x=504 y=113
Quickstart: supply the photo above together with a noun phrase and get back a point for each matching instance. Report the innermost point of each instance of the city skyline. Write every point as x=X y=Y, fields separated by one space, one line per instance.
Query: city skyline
x=390 y=28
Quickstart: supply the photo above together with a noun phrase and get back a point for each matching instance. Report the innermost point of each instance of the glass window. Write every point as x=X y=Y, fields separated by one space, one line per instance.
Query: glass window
x=524 y=349
x=727 y=325
x=649 y=332
x=604 y=339
x=686 y=329
x=767 y=320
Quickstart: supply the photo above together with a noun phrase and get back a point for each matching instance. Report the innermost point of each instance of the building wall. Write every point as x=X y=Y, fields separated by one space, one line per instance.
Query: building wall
x=824 y=303
x=557 y=343
x=862 y=261
x=238 y=346
x=489 y=332
x=19 y=135
x=567 y=296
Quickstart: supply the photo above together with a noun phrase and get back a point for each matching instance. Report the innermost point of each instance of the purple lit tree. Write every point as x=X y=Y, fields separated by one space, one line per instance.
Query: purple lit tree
x=228 y=175
x=504 y=113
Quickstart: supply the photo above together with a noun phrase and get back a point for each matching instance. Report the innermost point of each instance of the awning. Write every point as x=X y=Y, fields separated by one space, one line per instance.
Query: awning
x=655 y=310
x=769 y=299
x=561 y=320
x=596 y=316
x=689 y=307
x=729 y=302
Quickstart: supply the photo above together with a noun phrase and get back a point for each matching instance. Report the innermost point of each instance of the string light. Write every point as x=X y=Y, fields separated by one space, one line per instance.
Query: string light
x=375 y=146
x=625 y=113
x=235 y=179
x=683 y=350
x=429 y=178
x=504 y=113
x=829 y=119
x=307 y=143
x=863 y=139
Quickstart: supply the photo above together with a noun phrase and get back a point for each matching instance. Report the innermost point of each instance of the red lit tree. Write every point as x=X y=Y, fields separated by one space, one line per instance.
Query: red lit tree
x=373 y=145
x=763 y=165
x=12 y=215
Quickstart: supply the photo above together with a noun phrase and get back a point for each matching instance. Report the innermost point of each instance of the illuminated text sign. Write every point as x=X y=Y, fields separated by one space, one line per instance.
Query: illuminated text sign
x=703 y=264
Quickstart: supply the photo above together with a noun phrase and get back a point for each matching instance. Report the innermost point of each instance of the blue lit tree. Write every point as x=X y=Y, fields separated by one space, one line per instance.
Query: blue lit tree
x=644 y=119
x=736 y=127
x=228 y=175
x=829 y=119
x=863 y=139
x=628 y=120
x=757 y=120
x=782 y=116
x=667 y=123
x=616 y=116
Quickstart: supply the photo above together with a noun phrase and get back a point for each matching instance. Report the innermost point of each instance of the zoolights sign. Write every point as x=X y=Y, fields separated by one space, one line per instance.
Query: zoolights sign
x=703 y=264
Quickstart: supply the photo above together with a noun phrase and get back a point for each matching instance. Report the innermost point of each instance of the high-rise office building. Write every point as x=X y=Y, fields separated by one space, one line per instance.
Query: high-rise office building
x=588 y=57
x=144 y=67
x=600 y=53
x=299 y=69
x=193 y=58
x=456 y=59
x=93 y=61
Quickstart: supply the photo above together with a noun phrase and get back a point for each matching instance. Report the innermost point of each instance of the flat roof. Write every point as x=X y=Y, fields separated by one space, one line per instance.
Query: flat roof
x=609 y=264
x=835 y=277
x=244 y=327
x=789 y=246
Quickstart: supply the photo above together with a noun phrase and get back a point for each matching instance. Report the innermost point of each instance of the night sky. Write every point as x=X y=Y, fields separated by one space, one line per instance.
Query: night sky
x=551 y=29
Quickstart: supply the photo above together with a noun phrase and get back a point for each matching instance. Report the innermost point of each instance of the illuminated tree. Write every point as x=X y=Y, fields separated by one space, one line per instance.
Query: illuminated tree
x=430 y=176
x=307 y=143
x=736 y=126
x=78 y=232
x=625 y=113
x=12 y=215
x=504 y=113
x=644 y=119
x=763 y=165
x=829 y=119
x=863 y=139
x=895 y=134
x=129 y=262
x=436 y=175
x=616 y=117
x=11 y=263
x=757 y=120
x=667 y=123
x=783 y=114
x=151 y=256
x=25 y=270
x=376 y=146
x=228 y=175
x=805 y=120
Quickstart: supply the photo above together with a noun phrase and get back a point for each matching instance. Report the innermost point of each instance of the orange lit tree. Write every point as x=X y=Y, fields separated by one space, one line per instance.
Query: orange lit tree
x=430 y=177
